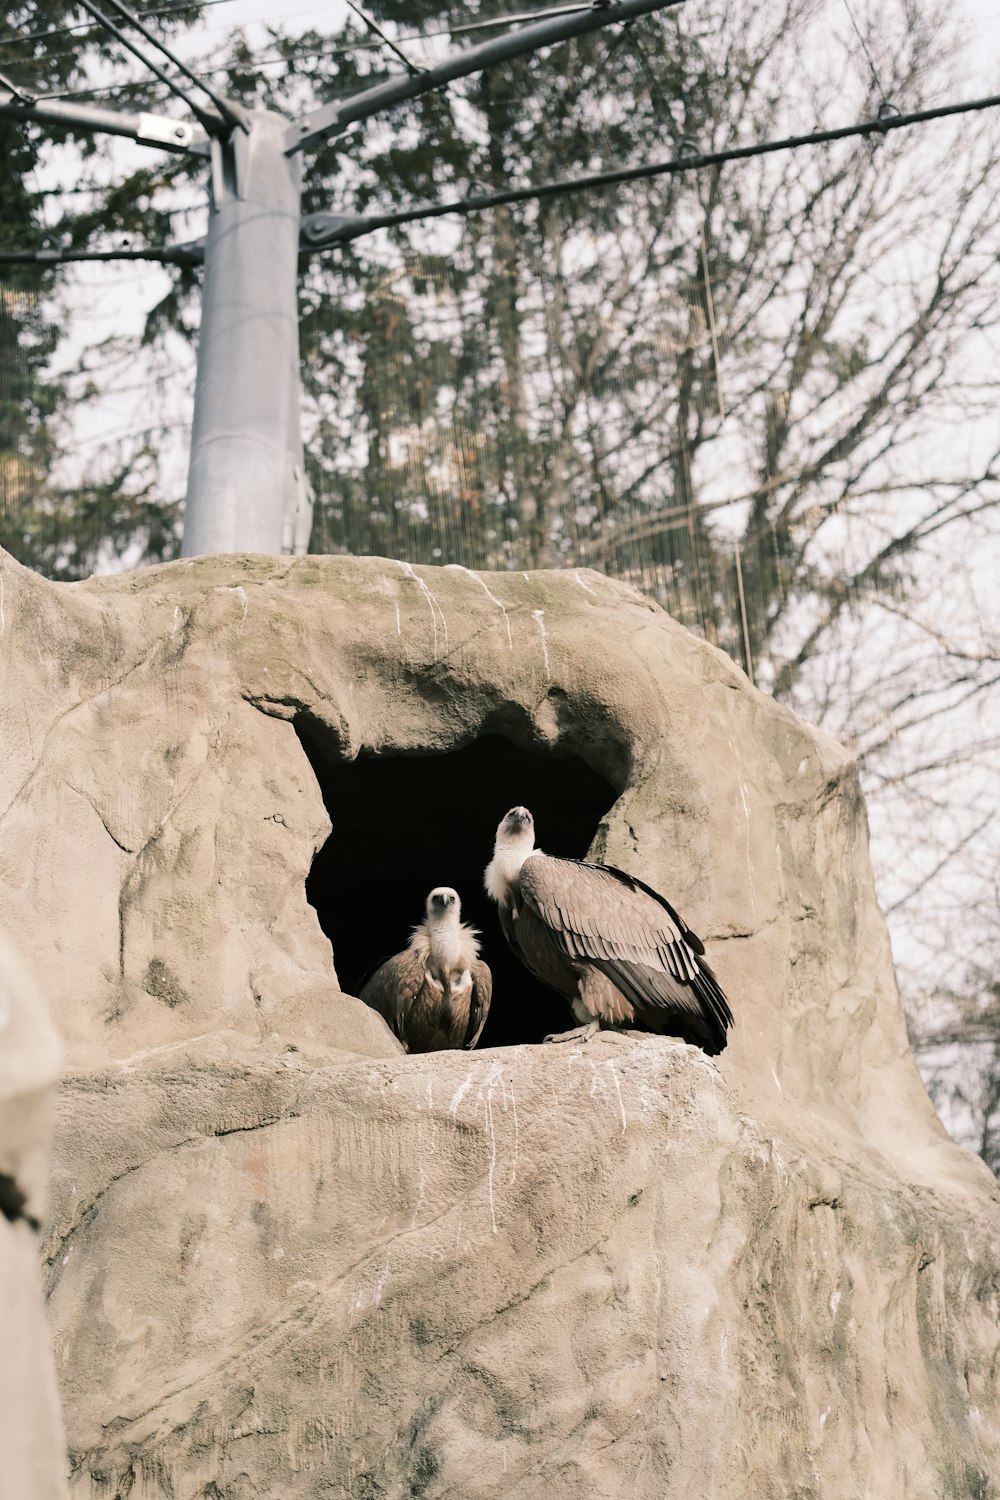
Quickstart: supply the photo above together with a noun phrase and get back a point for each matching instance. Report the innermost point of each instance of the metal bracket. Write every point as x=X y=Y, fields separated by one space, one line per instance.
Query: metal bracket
x=157 y=130
x=188 y=253
x=227 y=156
x=151 y=130
x=328 y=229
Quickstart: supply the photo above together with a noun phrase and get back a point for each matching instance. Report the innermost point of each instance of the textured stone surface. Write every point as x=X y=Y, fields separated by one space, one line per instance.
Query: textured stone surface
x=32 y=1448
x=285 y=1260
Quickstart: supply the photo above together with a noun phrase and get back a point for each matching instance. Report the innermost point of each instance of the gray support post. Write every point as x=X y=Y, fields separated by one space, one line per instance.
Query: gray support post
x=245 y=441
x=298 y=492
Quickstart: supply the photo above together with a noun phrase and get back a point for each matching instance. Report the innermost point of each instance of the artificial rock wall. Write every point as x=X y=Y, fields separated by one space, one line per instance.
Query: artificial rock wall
x=285 y=1260
x=32 y=1448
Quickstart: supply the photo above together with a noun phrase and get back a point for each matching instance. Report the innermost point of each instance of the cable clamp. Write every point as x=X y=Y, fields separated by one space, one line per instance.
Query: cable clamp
x=327 y=229
x=163 y=131
x=686 y=149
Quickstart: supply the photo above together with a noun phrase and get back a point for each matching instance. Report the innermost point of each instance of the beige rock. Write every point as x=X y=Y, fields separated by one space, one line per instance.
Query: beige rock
x=286 y=1260
x=32 y=1445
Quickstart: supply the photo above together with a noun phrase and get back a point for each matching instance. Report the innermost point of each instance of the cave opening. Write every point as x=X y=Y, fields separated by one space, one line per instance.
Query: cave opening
x=404 y=823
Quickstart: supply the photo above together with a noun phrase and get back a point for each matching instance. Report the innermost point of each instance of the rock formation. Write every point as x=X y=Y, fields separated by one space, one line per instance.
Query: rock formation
x=32 y=1449
x=283 y=1259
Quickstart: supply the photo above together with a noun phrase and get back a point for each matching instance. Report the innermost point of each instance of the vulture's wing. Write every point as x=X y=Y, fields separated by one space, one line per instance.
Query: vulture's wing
x=393 y=986
x=506 y=915
x=479 y=1006
x=629 y=932
x=508 y=927
x=632 y=882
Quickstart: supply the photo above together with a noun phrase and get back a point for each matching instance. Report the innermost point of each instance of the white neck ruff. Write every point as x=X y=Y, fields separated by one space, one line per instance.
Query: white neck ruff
x=504 y=870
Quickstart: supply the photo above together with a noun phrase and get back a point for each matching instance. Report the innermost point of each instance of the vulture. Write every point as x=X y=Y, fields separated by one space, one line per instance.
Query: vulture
x=613 y=946
x=434 y=995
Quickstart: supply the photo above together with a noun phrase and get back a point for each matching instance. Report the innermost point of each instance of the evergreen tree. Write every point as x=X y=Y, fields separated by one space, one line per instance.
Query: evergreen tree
x=66 y=529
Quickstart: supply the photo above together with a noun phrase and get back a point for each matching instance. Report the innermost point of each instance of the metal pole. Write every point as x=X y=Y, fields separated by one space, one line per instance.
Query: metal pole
x=332 y=118
x=246 y=455
x=149 y=130
x=298 y=509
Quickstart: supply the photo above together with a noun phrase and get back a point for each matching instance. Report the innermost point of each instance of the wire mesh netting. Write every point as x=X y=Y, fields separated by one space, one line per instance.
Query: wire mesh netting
x=762 y=393
x=493 y=412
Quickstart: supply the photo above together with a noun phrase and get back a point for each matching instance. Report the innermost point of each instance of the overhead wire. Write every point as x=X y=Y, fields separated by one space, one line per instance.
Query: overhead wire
x=687 y=160
x=176 y=255
x=16 y=90
x=332 y=229
x=208 y=122
x=222 y=105
x=278 y=59
x=282 y=58
x=386 y=40
x=720 y=397
x=81 y=26
x=865 y=49
x=487 y=23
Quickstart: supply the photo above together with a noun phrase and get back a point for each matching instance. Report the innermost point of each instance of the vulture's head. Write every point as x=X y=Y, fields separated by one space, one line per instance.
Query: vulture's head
x=443 y=902
x=516 y=830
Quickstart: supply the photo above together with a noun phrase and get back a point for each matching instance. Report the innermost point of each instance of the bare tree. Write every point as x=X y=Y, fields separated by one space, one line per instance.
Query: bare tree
x=764 y=393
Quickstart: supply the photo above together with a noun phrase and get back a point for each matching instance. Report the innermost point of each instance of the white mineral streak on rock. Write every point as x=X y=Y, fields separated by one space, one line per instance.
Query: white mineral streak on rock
x=513 y=1162
x=306 y=1254
x=621 y=1103
x=458 y=568
x=485 y=1097
x=421 y=1189
x=460 y=1094
x=432 y=605
x=598 y=1086
x=745 y=803
x=538 y=615
x=241 y=595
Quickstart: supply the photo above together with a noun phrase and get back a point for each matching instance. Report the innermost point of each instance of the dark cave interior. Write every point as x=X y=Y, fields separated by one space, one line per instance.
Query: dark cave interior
x=403 y=824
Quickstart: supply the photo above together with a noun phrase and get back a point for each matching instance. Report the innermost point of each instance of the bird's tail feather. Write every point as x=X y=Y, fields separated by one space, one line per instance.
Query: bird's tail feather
x=697 y=1011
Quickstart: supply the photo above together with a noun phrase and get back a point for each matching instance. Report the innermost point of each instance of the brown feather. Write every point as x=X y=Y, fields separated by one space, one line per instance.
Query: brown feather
x=616 y=949
x=430 y=1009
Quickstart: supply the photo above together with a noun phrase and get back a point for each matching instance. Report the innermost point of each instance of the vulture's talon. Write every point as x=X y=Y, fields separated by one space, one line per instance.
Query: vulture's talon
x=610 y=944
x=578 y=1034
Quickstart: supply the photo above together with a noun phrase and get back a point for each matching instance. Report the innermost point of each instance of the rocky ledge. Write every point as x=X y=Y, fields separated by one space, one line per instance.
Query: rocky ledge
x=283 y=1259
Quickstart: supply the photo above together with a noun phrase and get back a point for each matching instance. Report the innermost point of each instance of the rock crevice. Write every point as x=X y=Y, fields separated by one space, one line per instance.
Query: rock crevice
x=311 y=1266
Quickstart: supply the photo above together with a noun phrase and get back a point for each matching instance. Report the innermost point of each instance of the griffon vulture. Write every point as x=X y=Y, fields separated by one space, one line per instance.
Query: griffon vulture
x=611 y=945
x=436 y=993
